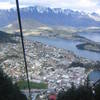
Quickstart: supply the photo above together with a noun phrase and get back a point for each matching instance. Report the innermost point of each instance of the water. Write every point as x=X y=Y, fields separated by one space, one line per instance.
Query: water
x=92 y=36
x=66 y=44
x=94 y=76
x=71 y=45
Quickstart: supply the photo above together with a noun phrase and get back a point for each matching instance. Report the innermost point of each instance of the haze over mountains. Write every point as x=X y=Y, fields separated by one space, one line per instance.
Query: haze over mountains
x=52 y=17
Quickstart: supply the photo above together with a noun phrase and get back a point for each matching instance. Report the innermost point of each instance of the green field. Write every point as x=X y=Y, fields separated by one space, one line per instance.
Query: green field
x=33 y=85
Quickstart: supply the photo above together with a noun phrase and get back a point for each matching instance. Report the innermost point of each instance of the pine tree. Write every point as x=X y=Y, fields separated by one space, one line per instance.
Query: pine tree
x=9 y=91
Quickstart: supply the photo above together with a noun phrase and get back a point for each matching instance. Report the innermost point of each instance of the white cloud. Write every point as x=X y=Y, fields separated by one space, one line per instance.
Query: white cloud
x=84 y=5
x=97 y=11
x=6 y=5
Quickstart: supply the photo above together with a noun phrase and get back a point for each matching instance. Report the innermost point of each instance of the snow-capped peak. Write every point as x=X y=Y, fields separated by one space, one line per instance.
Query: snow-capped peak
x=41 y=9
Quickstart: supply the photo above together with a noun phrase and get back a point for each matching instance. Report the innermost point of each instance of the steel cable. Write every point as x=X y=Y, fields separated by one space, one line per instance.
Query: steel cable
x=22 y=41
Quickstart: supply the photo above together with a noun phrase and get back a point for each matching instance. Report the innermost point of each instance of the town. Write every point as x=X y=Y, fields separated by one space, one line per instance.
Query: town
x=46 y=64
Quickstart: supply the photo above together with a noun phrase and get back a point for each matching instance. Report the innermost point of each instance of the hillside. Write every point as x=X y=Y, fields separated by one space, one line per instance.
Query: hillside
x=8 y=90
x=6 y=38
x=27 y=24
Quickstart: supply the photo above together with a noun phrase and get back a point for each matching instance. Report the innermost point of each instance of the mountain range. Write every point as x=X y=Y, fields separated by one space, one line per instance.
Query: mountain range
x=51 y=17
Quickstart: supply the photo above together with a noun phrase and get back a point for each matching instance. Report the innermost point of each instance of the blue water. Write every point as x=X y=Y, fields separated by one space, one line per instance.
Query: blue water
x=71 y=45
x=66 y=44
x=94 y=76
x=92 y=36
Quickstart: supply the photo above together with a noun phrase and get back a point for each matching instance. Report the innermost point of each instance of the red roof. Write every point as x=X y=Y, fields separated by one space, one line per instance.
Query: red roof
x=52 y=97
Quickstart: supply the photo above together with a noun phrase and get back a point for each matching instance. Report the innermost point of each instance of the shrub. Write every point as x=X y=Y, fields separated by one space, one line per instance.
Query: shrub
x=80 y=93
x=97 y=92
x=9 y=91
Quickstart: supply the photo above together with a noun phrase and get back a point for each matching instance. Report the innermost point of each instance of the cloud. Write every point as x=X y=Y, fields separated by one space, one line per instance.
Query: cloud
x=97 y=11
x=82 y=5
x=6 y=5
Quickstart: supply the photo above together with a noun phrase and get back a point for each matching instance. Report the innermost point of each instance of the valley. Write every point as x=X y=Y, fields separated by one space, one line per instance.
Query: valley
x=47 y=64
x=58 y=52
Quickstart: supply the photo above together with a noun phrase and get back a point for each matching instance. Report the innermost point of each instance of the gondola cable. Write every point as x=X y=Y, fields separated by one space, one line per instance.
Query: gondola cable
x=22 y=41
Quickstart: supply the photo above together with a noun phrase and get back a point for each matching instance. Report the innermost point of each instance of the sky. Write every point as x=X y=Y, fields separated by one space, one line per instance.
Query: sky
x=80 y=5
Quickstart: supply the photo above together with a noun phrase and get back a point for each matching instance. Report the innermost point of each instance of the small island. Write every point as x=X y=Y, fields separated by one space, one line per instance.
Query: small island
x=94 y=47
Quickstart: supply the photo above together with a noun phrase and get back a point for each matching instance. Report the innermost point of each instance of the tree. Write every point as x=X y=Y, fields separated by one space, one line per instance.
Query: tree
x=70 y=94
x=9 y=91
x=80 y=93
x=97 y=92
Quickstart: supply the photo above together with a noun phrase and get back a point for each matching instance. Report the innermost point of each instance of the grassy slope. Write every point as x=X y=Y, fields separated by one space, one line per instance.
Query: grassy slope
x=33 y=85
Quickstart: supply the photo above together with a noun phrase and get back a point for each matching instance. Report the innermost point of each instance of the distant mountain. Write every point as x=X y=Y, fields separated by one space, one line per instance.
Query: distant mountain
x=27 y=23
x=7 y=16
x=95 y=16
x=48 y=16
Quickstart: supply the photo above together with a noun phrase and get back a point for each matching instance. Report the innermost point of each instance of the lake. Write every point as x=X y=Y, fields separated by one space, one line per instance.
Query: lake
x=94 y=76
x=71 y=45
x=91 y=36
x=66 y=44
